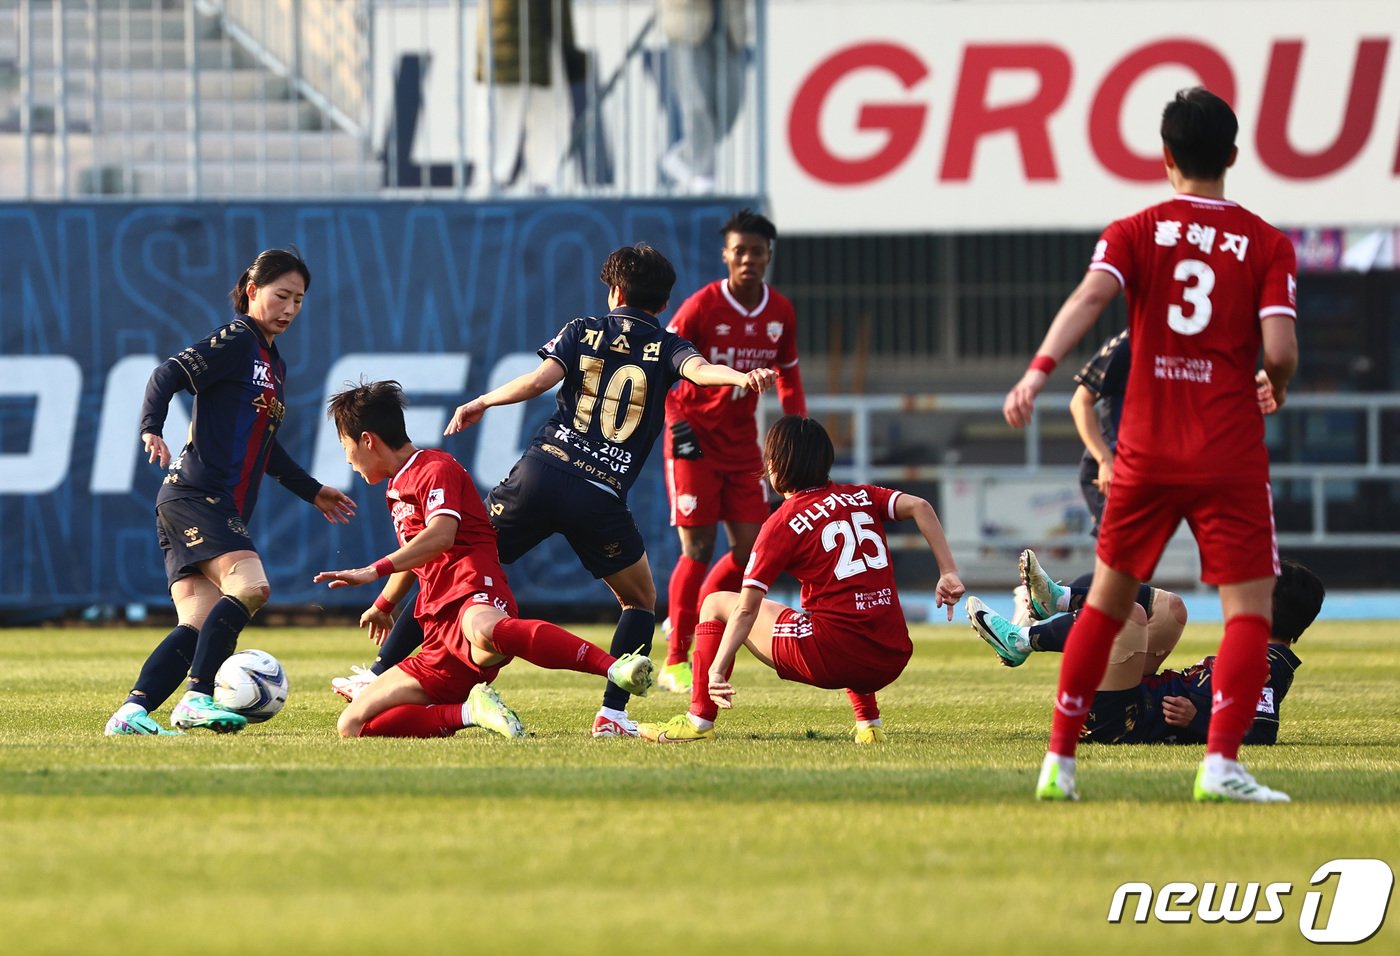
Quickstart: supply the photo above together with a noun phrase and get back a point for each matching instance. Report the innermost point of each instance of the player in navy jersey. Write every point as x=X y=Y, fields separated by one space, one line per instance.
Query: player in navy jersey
x=216 y=577
x=851 y=632
x=1097 y=407
x=1210 y=286
x=574 y=477
x=1137 y=701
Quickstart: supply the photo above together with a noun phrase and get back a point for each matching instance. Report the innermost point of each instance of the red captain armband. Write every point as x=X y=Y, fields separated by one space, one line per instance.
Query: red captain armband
x=383 y=604
x=1043 y=363
x=383 y=567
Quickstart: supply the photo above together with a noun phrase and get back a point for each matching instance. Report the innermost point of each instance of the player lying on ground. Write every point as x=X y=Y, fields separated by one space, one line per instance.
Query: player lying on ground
x=1135 y=703
x=468 y=615
x=851 y=633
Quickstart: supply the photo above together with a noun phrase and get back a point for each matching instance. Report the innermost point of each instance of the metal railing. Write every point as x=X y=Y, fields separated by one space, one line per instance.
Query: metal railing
x=1311 y=492
x=361 y=98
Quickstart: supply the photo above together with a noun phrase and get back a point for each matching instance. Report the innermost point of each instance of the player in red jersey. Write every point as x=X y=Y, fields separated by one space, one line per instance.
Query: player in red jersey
x=712 y=458
x=470 y=628
x=851 y=632
x=1208 y=284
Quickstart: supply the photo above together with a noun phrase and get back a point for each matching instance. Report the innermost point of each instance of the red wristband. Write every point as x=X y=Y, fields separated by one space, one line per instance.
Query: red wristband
x=383 y=567
x=381 y=603
x=1043 y=363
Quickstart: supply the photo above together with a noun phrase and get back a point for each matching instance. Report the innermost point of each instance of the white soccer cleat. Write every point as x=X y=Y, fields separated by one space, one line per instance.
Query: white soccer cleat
x=614 y=723
x=359 y=678
x=1226 y=781
x=1056 y=779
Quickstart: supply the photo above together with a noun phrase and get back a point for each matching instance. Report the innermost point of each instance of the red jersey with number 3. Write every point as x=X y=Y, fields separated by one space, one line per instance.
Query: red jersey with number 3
x=431 y=483
x=1199 y=274
x=726 y=333
x=832 y=539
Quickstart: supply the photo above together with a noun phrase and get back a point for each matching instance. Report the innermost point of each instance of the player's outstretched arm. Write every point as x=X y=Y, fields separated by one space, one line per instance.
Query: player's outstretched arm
x=950 y=587
x=522 y=388
x=701 y=372
x=1075 y=318
x=431 y=542
x=736 y=632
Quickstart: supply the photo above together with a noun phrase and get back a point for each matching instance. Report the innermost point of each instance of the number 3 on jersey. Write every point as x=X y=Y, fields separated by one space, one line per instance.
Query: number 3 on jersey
x=849 y=536
x=1200 y=282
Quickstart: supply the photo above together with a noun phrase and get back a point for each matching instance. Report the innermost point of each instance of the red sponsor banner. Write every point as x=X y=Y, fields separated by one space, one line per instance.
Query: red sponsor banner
x=937 y=116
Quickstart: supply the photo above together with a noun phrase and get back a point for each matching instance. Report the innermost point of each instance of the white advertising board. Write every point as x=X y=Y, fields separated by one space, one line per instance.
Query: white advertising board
x=913 y=117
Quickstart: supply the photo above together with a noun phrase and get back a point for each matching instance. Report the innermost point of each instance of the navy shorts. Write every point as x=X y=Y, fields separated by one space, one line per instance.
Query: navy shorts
x=537 y=500
x=193 y=530
x=1134 y=716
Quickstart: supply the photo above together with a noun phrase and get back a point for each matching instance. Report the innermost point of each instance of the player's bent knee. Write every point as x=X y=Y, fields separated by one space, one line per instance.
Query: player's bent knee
x=717 y=605
x=247 y=583
x=1176 y=607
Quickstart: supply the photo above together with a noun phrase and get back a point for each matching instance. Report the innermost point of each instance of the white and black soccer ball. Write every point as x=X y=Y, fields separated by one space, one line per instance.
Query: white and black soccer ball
x=251 y=683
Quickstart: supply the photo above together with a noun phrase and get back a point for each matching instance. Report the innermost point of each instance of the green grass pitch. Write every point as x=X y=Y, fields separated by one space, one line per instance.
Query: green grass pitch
x=780 y=837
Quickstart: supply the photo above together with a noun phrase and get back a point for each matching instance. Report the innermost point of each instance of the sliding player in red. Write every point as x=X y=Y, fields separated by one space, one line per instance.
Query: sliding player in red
x=1209 y=285
x=470 y=628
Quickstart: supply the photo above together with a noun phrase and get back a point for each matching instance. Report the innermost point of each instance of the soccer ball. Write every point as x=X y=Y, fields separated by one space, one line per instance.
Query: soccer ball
x=251 y=683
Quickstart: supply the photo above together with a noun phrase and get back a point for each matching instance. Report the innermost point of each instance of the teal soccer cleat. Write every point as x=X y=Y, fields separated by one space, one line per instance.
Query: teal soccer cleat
x=1004 y=637
x=199 y=710
x=132 y=719
x=1045 y=594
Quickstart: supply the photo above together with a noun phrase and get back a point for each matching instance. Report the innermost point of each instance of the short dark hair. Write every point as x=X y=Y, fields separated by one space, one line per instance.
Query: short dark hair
x=643 y=274
x=374 y=407
x=1298 y=595
x=268 y=267
x=799 y=454
x=746 y=220
x=1199 y=128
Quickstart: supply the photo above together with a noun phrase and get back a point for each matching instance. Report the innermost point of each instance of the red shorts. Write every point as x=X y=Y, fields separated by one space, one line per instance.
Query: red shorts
x=1233 y=524
x=702 y=495
x=443 y=665
x=811 y=651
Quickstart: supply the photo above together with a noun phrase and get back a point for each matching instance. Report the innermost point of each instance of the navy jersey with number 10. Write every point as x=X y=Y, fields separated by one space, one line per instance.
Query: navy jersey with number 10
x=612 y=403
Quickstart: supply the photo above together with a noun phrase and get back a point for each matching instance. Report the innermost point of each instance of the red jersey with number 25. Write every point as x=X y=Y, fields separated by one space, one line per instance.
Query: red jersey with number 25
x=832 y=539
x=726 y=333
x=1199 y=274
x=430 y=483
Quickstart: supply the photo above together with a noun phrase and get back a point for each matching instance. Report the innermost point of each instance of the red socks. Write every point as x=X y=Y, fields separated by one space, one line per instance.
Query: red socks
x=1085 y=662
x=864 y=705
x=550 y=646
x=707 y=635
x=683 y=605
x=414 y=720
x=1241 y=671
x=726 y=575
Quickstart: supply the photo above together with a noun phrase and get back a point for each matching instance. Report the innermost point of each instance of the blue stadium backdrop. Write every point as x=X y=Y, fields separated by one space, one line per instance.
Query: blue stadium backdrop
x=450 y=298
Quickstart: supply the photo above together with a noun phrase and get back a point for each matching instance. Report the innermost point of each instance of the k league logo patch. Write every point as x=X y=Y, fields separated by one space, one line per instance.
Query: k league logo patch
x=435 y=499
